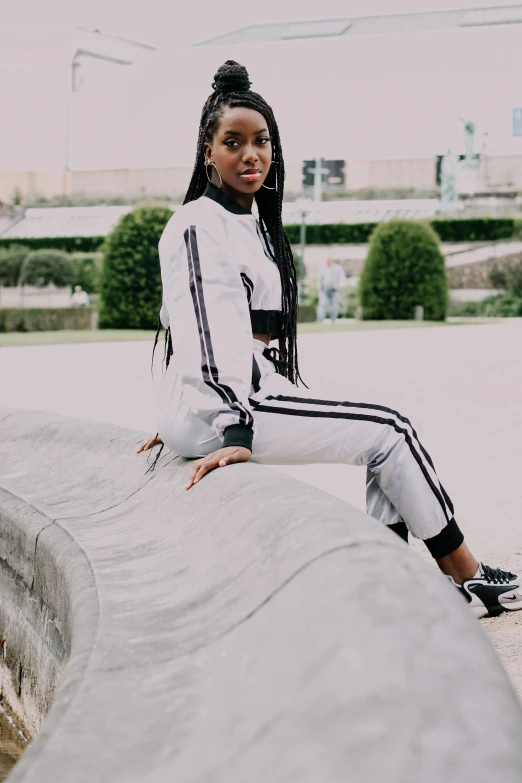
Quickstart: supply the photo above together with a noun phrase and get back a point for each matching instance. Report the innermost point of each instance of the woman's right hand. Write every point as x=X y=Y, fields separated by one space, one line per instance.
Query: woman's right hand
x=149 y=443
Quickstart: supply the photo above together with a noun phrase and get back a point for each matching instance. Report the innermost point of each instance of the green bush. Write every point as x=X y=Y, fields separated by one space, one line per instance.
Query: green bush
x=349 y=302
x=67 y=244
x=131 y=283
x=42 y=267
x=300 y=267
x=87 y=271
x=508 y=276
x=502 y=306
x=466 y=309
x=307 y=313
x=404 y=268
x=11 y=260
x=44 y=319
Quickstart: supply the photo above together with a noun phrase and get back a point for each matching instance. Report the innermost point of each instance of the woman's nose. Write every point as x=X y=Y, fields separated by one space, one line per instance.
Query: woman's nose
x=250 y=154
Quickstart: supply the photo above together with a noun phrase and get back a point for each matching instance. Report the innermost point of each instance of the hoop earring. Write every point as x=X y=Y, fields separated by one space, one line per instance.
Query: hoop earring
x=210 y=178
x=266 y=186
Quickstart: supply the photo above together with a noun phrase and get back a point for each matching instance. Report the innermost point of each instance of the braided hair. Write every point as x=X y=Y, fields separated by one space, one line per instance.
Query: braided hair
x=232 y=89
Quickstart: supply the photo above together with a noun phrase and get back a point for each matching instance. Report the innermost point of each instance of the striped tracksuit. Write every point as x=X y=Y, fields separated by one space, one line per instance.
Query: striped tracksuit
x=222 y=387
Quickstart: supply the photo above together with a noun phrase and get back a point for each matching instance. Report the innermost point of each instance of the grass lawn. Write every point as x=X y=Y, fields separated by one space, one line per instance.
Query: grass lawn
x=64 y=337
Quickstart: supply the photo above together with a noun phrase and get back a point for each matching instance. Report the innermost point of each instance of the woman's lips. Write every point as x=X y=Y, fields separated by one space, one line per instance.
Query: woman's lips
x=251 y=176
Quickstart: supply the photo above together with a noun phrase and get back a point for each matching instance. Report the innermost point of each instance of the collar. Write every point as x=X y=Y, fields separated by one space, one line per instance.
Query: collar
x=218 y=195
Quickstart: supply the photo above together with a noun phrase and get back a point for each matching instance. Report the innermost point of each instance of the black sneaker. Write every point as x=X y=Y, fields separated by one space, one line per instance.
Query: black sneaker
x=493 y=592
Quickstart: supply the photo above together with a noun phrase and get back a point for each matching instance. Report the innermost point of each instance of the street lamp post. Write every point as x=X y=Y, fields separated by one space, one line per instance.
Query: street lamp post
x=304 y=206
x=318 y=171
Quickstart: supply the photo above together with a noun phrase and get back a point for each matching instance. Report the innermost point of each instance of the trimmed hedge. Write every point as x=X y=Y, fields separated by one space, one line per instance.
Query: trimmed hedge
x=87 y=271
x=404 y=268
x=67 y=244
x=131 y=281
x=44 y=319
x=476 y=229
x=11 y=261
x=332 y=233
x=42 y=267
x=448 y=230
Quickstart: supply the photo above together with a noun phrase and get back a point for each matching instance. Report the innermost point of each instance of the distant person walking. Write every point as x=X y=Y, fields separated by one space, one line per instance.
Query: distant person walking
x=80 y=298
x=331 y=279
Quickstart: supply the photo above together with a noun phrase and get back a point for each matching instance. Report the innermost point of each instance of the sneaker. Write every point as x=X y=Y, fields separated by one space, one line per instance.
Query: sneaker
x=491 y=592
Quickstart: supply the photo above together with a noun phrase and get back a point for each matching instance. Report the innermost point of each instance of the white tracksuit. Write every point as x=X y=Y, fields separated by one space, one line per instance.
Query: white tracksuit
x=220 y=285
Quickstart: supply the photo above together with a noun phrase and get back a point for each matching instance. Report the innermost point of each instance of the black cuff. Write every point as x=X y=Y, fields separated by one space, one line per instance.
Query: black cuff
x=447 y=541
x=238 y=435
x=400 y=529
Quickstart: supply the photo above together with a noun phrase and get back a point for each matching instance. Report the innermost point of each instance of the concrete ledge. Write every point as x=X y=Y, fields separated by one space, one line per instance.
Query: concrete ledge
x=252 y=629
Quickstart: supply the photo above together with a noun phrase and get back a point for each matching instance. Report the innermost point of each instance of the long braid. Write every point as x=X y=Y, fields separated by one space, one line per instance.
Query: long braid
x=232 y=89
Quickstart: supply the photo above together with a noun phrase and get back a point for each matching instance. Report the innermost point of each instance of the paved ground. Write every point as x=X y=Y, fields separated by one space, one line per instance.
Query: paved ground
x=460 y=384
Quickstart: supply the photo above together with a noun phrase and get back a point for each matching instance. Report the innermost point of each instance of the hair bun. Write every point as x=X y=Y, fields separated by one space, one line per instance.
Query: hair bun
x=231 y=77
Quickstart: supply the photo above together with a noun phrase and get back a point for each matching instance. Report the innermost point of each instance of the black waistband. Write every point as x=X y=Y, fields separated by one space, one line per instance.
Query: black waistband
x=266 y=322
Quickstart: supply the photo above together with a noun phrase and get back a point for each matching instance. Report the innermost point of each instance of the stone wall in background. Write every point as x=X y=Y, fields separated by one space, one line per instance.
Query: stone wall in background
x=477 y=275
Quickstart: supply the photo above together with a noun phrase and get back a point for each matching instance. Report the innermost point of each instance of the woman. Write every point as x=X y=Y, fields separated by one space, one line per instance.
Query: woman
x=229 y=288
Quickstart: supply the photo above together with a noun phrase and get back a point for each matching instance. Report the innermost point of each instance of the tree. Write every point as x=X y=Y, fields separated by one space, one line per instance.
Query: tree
x=131 y=282
x=42 y=267
x=404 y=268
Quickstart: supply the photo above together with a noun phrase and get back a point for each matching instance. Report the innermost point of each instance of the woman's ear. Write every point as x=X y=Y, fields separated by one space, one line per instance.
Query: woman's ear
x=207 y=152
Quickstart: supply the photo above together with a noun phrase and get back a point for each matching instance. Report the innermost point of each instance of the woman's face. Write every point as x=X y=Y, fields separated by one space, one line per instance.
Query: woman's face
x=242 y=152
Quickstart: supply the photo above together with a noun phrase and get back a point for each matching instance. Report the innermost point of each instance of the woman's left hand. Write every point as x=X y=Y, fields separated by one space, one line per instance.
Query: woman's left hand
x=149 y=443
x=218 y=459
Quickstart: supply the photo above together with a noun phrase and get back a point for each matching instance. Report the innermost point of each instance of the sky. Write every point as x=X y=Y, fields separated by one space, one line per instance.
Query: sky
x=175 y=22
x=369 y=102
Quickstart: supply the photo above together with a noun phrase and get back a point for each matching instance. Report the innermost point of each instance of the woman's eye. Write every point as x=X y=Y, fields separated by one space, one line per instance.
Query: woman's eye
x=230 y=143
x=263 y=140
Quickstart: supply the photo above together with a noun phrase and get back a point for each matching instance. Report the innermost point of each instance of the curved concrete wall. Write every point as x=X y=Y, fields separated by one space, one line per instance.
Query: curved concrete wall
x=252 y=629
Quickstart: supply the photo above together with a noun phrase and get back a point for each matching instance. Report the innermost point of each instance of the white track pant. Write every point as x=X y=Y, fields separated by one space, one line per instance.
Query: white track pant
x=296 y=428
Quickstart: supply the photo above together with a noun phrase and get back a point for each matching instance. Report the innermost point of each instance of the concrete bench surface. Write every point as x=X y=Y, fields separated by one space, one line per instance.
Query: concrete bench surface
x=253 y=629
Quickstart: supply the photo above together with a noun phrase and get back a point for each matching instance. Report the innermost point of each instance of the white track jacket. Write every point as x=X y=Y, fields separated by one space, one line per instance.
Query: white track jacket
x=220 y=285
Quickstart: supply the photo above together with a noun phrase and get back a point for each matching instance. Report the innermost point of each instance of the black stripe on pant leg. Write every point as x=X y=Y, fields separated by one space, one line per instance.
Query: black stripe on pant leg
x=208 y=364
x=262 y=408
x=366 y=406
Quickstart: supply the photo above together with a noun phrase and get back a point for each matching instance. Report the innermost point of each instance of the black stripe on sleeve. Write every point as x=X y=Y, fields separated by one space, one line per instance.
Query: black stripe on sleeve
x=249 y=287
x=208 y=364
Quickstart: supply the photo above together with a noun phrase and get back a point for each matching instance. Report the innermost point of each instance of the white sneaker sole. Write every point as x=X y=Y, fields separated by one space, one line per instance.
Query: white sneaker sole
x=482 y=611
